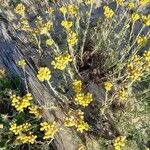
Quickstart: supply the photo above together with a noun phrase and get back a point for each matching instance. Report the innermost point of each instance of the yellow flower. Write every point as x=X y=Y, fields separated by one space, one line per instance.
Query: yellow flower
x=49 y=42
x=83 y=99
x=108 y=12
x=21 y=63
x=120 y=2
x=44 y=74
x=20 y=9
x=119 y=142
x=76 y=118
x=77 y=86
x=26 y=138
x=49 y=10
x=131 y=5
x=60 y=62
x=49 y=129
x=24 y=25
x=20 y=103
x=63 y=10
x=107 y=85
x=82 y=126
x=71 y=9
x=72 y=38
x=146 y=57
x=67 y=24
x=142 y=40
x=89 y=1
x=122 y=94
x=146 y=20
x=46 y=27
x=35 y=110
x=134 y=68
x=144 y=2
x=19 y=129
x=81 y=147
x=135 y=17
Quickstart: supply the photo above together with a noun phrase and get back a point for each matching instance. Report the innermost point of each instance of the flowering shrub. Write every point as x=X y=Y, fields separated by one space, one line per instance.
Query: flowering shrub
x=96 y=66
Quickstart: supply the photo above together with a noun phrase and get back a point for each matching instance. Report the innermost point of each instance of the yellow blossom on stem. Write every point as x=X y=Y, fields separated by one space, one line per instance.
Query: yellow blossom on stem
x=135 y=17
x=144 y=2
x=142 y=40
x=21 y=63
x=24 y=24
x=146 y=57
x=49 y=42
x=2 y=73
x=63 y=10
x=60 y=62
x=81 y=147
x=67 y=24
x=89 y=1
x=72 y=9
x=35 y=110
x=146 y=20
x=44 y=73
x=83 y=99
x=49 y=129
x=122 y=94
x=131 y=5
x=20 y=103
x=20 y=9
x=46 y=27
x=135 y=68
x=49 y=10
x=72 y=38
x=108 y=85
x=119 y=142
x=76 y=118
x=108 y=12
x=77 y=86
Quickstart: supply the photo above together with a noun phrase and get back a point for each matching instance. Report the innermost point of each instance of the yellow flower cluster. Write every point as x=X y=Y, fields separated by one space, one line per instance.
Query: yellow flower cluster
x=20 y=103
x=144 y=2
x=77 y=86
x=21 y=63
x=35 y=110
x=49 y=42
x=67 y=24
x=26 y=138
x=83 y=99
x=49 y=10
x=70 y=9
x=108 y=85
x=120 y=2
x=81 y=147
x=135 y=17
x=122 y=94
x=49 y=129
x=72 y=38
x=20 y=9
x=18 y=129
x=146 y=57
x=134 y=68
x=76 y=118
x=44 y=73
x=131 y=5
x=60 y=62
x=24 y=24
x=22 y=133
x=119 y=142
x=142 y=40
x=146 y=20
x=42 y=27
x=108 y=12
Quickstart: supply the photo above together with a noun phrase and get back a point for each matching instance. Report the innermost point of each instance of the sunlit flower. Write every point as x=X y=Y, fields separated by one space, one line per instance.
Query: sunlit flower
x=49 y=42
x=20 y=9
x=131 y=5
x=49 y=10
x=44 y=73
x=108 y=85
x=120 y=2
x=119 y=142
x=146 y=20
x=2 y=73
x=135 y=17
x=67 y=24
x=108 y=12
x=72 y=38
x=142 y=40
x=63 y=10
x=21 y=63
x=60 y=62
x=35 y=110
x=122 y=94
x=77 y=86
x=144 y=2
